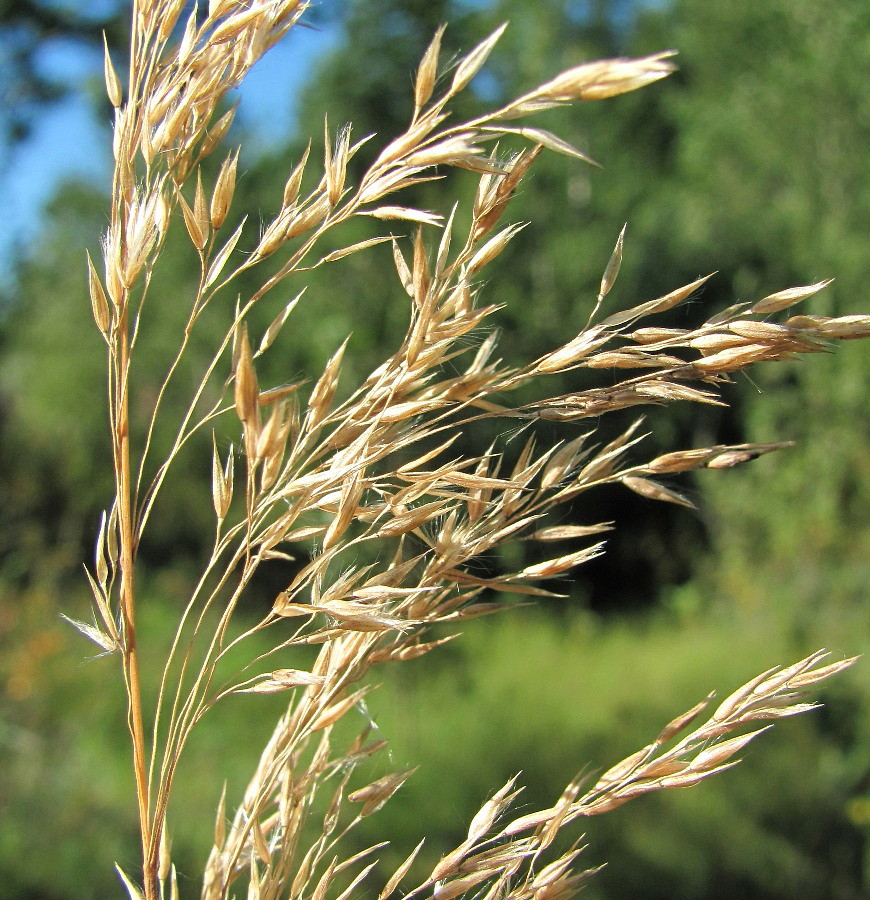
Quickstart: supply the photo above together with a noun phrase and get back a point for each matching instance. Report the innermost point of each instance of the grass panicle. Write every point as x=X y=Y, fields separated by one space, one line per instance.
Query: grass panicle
x=332 y=476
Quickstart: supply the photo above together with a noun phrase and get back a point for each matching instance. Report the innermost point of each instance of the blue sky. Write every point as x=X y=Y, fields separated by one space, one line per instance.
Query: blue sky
x=68 y=141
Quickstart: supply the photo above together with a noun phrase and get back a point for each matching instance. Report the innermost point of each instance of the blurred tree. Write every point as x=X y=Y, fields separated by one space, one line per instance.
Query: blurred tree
x=687 y=215
x=359 y=82
x=769 y=173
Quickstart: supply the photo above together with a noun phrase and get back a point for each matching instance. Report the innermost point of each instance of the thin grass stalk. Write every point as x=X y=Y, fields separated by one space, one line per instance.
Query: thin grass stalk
x=126 y=520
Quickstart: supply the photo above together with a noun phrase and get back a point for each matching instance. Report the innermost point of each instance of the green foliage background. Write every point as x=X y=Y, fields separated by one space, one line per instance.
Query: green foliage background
x=751 y=161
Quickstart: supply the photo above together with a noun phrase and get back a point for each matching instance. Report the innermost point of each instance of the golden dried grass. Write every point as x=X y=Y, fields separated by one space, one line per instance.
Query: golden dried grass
x=338 y=474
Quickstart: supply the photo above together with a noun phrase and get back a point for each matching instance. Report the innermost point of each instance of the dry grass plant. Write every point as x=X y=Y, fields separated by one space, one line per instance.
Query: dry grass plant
x=377 y=468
